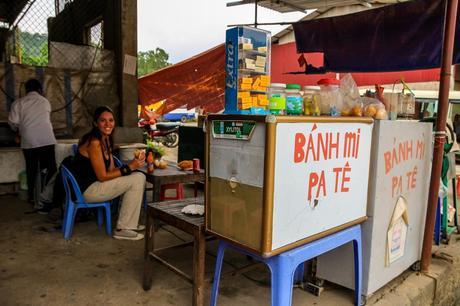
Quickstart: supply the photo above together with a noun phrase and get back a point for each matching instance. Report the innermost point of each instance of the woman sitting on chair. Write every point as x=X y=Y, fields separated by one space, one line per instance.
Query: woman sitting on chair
x=100 y=181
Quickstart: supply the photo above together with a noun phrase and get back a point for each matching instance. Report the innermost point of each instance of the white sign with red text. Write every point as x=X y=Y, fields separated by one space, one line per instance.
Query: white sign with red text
x=321 y=178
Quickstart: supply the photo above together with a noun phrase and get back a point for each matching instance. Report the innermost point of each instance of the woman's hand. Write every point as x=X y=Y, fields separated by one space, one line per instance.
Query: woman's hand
x=137 y=162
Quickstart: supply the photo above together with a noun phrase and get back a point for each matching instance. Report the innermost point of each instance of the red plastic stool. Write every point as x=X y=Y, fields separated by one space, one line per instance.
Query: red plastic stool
x=179 y=191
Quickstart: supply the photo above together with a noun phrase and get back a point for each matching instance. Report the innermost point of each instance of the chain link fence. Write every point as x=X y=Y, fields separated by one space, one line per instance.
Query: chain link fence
x=60 y=43
x=28 y=39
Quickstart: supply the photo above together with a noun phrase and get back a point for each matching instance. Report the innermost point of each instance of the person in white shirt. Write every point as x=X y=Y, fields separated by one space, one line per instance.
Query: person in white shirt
x=30 y=117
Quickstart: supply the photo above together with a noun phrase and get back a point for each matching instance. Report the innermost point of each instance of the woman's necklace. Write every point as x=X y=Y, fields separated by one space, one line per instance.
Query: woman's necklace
x=106 y=148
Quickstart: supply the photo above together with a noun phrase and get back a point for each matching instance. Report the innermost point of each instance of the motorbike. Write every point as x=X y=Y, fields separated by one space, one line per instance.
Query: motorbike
x=166 y=133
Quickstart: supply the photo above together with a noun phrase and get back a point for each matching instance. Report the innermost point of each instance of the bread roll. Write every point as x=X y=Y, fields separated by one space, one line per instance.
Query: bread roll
x=185 y=164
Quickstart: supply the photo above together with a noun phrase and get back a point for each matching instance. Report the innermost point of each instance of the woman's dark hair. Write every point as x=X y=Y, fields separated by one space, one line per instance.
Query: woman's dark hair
x=95 y=133
x=33 y=85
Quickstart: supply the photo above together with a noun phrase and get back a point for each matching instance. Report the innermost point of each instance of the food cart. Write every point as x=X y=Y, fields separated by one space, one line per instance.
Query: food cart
x=277 y=182
x=397 y=202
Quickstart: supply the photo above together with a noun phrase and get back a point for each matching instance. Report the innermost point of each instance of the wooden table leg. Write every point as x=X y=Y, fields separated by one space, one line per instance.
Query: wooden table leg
x=156 y=192
x=148 y=234
x=199 y=252
x=149 y=245
x=156 y=198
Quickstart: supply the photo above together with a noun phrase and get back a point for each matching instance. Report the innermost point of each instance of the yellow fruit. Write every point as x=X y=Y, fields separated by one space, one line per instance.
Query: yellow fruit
x=345 y=112
x=381 y=114
x=370 y=111
x=357 y=111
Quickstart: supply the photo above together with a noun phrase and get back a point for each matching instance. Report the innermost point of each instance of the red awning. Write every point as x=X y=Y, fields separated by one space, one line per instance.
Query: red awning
x=197 y=81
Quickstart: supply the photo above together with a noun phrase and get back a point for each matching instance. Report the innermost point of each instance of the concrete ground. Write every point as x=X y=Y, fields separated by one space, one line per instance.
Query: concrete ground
x=37 y=267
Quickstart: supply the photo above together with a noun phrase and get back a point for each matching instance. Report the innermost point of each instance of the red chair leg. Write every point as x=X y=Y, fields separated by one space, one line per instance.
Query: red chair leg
x=180 y=191
x=162 y=192
x=458 y=185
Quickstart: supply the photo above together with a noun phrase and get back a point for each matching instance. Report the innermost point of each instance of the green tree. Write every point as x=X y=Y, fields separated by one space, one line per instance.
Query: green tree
x=151 y=60
x=41 y=59
x=34 y=48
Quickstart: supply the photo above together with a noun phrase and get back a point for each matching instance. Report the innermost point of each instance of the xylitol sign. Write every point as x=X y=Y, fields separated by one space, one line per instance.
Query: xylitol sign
x=233 y=129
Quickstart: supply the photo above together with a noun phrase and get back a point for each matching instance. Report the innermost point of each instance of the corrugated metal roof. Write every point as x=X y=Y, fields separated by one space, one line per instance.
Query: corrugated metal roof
x=321 y=7
x=286 y=6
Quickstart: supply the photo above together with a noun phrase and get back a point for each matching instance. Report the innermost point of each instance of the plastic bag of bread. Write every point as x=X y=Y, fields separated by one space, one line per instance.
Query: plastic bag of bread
x=160 y=164
x=352 y=105
x=355 y=111
x=374 y=108
x=163 y=164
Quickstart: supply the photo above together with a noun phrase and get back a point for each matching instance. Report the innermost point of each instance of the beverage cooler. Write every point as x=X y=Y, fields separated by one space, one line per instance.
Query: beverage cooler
x=277 y=182
x=397 y=202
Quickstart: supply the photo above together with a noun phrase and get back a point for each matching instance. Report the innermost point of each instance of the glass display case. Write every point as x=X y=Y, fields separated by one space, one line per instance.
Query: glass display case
x=247 y=66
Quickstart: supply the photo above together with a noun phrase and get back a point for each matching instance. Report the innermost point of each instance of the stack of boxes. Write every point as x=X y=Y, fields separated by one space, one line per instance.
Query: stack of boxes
x=252 y=92
x=255 y=63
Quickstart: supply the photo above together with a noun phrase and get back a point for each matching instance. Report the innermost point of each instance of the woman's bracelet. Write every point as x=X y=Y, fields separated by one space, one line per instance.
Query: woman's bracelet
x=125 y=170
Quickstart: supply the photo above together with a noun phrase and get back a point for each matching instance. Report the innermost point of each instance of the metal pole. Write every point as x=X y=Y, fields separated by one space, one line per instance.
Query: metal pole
x=255 y=15
x=439 y=134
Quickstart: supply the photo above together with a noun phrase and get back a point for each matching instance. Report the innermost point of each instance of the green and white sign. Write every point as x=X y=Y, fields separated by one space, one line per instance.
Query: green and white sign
x=233 y=129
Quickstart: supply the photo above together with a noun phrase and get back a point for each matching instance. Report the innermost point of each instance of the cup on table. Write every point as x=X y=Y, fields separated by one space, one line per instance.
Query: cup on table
x=196 y=165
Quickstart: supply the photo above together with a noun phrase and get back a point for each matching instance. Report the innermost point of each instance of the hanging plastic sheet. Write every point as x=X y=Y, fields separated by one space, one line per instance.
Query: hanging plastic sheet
x=73 y=94
x=403 y=36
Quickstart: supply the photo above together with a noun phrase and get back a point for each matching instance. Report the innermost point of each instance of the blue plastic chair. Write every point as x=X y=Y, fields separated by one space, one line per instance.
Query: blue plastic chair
x=283 y=266
x=74 y=148
x=72 y=205
x=437 y=225
x=117 y=162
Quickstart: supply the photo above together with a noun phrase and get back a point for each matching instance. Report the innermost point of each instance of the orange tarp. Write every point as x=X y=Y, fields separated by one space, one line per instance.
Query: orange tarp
x=196 y=82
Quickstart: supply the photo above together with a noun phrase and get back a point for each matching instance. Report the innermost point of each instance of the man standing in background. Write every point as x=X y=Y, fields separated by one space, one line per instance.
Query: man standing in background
x=30 y=117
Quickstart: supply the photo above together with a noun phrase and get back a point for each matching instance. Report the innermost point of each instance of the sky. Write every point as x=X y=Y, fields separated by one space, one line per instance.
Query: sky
x=184 y=28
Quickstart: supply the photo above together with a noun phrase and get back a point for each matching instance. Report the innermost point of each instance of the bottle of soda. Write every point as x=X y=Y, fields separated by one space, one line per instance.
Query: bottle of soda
x=150 y=167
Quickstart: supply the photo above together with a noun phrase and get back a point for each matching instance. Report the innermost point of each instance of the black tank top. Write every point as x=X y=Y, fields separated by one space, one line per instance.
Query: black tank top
x=83 y=170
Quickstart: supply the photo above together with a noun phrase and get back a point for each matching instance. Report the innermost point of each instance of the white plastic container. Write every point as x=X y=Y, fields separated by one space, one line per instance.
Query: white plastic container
x=330 y=98
x=310 y=101
x=127 y=151
x=294 y=101
x=277 y=99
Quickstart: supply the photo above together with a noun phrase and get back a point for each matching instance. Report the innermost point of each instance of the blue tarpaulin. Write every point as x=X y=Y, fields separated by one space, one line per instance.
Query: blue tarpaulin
x=403 y=36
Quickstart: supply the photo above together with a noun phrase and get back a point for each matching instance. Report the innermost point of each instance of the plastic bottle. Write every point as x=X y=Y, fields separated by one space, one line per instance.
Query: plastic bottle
x=150 y=166
x=330 y=97
x=277 y=99
x=294 y=102
x=310 y=101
